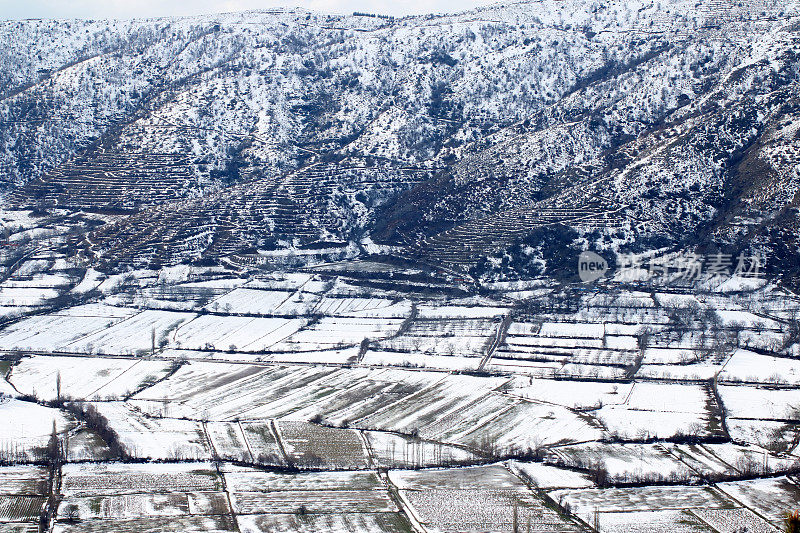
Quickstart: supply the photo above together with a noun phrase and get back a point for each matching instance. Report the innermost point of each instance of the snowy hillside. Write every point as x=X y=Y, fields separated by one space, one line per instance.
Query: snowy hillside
x=672 y=121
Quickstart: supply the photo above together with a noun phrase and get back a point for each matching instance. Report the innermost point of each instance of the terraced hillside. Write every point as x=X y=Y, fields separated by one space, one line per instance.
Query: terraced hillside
x=451 y=136
x=119 y=181
x=318 y=204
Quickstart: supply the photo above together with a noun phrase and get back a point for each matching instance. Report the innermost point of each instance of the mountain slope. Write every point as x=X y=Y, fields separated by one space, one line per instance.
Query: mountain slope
x=637 y=123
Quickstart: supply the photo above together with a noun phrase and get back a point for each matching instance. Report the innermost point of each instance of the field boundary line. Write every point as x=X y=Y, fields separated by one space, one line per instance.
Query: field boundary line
x=246 y=442
x=680 y=459
x=499 y=337
x=279 y=441
x=110 y=381
x=742 y=505
x=98 y=330
x=367 y=448
x=401 y=502
x=710 y=527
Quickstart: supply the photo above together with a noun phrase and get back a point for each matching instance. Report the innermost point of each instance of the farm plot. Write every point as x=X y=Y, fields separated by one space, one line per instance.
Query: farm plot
x=769 y=434
x=693 y=372
x=561 y=351
x=584 y=502
x=547 y=477
x=499 y=424
x=19 y=527
x=87 y=445
x=666 y=356
x=591 y=371
x=361 y=266
x=751 y=367
x=676 y=300
x=709 y=459
x=258 y=492
x=97 y=310
x=312 y=446
x=397 y=309
x=313 y=501
x=126 y=506
x=757 y=339
x=228 y=391
x=397 y=451
x=734 y=520
x=419 y=360
x=452 y=408
x=453 y=337
x=760 y=402
x=21 y=508
x=672 y=521
x=53 y=332
x=234 y=333
x=279 y=392
x=435 y=311
x=172 y=524
x=747 y=319
x=624 y=316
x=262 y=443
x=572 y=394
x=667 y=397
x=25 y=296
x=331 y=332
x=25 y=429
x=288 y=281
x=633 y=424
x=133 y=506
x=662 y=410
x=542 y=369
x=474 y=499
x=166 y=302
x=23 y=480
x=243 y=479
x=623 y=462
x=133 y=335
x=459 y=409
x=573 y=330
x=155 y=438
x=325 y=523
x=99 y=479
x=622 y=299
x=228 y=441
x=361 y=307
x=607 y=350
x=183 y=295
x=771 y=498
x=84 y=377
x=323 y=357
x=266 y=302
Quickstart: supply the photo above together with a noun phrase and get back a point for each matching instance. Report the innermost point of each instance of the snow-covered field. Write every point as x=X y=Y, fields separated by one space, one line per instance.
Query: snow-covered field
x=25 y=428
x=585 y=502
x=258 y=271
x=89 y=378
x=326 y=381
x=748 y=366
x=234 y=333
x=476 y=499
x=155 y=438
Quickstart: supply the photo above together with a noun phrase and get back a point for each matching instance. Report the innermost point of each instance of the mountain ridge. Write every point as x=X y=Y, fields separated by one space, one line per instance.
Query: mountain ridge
x=256 y=130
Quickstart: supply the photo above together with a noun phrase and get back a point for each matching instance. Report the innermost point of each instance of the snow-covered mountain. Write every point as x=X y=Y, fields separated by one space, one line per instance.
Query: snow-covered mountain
x=641 y=124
